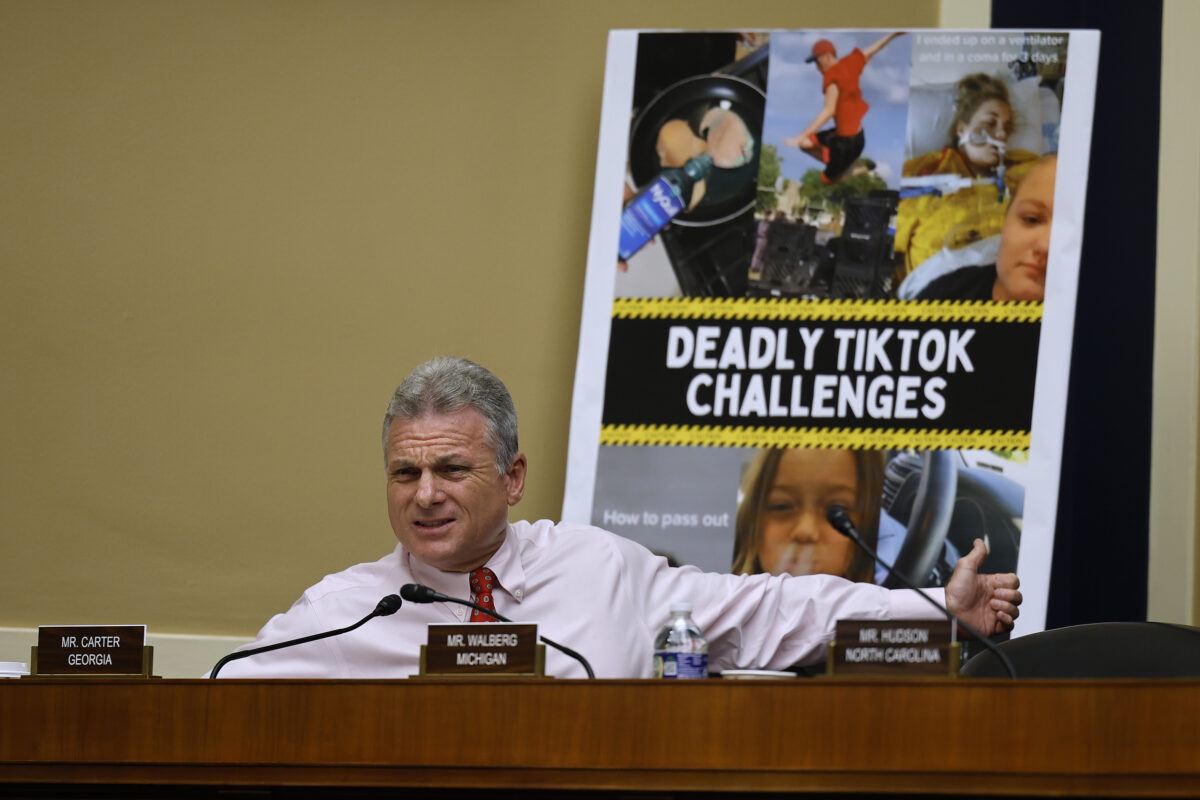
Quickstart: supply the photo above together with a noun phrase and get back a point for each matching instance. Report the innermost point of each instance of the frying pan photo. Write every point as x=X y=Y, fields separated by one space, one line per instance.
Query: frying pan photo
x=730 y=192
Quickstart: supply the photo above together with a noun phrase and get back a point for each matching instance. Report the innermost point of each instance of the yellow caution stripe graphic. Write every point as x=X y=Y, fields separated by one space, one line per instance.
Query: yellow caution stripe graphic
x=772 y=309
x=852 y=438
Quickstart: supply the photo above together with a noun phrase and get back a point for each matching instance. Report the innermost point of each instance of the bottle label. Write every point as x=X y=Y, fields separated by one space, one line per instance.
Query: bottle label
x=648 y=214
x=681 y=665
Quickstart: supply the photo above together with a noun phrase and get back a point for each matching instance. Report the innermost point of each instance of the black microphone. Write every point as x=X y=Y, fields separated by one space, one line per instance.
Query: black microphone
x=386 y=607
x=839 y=518
x=417 y=593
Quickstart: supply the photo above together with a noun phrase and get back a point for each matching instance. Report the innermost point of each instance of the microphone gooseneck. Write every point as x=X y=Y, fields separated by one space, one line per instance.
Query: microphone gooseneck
x=839 y=518
x=417 y=593
x=384 y=608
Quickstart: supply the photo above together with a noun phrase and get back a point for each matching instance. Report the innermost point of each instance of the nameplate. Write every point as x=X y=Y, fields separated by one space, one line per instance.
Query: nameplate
x=76 y=650
x=482 y=648
x=895 y=648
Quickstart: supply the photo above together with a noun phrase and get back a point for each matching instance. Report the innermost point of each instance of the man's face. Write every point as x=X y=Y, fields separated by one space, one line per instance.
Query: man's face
x=825 y=61
x=447 y=504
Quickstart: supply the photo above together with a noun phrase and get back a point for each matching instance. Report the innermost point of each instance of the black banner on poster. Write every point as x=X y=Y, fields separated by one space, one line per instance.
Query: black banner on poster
x=912 y=374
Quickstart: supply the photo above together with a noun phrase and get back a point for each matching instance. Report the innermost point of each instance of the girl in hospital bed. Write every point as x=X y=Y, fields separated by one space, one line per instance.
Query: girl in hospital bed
x=954 y=196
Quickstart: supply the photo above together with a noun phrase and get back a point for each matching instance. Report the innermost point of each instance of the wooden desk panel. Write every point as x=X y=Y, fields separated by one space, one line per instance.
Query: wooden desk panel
x=1087 y=738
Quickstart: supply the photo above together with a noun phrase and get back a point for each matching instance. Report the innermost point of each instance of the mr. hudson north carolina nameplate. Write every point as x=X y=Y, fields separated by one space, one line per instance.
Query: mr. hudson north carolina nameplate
x=893 y=647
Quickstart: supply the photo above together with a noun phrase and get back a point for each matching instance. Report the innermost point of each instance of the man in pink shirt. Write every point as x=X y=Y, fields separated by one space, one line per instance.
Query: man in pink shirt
x=453 y=469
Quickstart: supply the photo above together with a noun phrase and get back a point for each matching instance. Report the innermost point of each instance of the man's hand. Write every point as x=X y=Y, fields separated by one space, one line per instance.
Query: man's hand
x=988 y=603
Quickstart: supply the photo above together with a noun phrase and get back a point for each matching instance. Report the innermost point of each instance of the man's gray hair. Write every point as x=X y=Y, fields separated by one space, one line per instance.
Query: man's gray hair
x=447 y=384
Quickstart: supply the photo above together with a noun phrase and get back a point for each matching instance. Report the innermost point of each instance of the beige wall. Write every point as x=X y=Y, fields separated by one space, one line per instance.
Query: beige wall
x=1174 y=550
x=228 y=228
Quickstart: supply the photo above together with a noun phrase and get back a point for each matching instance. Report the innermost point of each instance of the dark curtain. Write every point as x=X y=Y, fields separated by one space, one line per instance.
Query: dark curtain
x=1102 y=535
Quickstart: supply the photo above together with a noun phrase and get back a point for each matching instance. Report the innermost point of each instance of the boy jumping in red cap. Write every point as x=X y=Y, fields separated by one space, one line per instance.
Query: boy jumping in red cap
x=840 y=146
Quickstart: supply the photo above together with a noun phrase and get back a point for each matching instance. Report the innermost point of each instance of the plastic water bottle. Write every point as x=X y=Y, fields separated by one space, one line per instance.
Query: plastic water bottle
x=659 y=203
x=680 y=650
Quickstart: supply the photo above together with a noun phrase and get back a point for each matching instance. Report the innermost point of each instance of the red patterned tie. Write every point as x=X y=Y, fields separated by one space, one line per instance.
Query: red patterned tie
x=482 y=581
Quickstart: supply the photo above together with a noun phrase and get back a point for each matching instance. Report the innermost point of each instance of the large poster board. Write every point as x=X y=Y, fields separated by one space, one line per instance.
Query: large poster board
x=833 y=267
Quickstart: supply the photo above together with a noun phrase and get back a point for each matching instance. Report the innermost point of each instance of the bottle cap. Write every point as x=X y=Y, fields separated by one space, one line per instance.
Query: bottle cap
x=681 y=608
x=698 y=167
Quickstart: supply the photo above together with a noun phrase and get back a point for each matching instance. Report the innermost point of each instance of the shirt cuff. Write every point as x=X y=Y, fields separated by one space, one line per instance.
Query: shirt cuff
x=908 y=604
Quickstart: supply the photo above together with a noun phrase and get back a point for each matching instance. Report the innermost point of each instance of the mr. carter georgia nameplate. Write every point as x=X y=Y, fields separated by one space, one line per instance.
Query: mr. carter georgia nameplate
x=91 y=650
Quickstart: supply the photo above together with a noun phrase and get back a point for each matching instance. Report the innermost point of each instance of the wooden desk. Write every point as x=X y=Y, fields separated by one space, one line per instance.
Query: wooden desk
x=1085 y=738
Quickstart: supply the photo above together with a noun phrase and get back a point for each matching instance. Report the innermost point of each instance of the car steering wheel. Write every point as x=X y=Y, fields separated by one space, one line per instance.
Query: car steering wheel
x=929 y=520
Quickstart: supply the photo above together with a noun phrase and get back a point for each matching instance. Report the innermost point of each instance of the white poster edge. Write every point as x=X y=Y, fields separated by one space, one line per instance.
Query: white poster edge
x=587 y=403
x=1058 y=325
